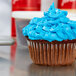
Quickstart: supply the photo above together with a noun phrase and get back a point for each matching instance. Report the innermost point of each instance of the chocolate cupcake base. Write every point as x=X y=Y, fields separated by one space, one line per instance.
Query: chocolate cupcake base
x=51 y=53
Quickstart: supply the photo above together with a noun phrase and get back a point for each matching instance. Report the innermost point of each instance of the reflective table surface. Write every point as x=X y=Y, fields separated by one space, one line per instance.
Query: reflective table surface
x=15 y=61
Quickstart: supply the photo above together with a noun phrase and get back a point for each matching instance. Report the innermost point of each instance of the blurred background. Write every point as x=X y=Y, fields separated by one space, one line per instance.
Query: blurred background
x=7 y=23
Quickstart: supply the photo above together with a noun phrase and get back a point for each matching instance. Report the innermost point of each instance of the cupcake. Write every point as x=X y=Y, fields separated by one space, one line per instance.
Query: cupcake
x=51 y=39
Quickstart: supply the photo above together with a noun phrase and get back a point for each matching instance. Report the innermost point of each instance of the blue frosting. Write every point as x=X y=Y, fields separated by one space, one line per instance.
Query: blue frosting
x=54 y=25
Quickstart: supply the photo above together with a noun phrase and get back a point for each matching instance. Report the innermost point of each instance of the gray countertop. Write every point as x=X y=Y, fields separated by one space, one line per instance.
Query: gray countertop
x=19 y=63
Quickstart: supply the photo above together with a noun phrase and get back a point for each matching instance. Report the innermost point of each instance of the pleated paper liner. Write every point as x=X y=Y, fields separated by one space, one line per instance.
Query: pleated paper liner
x=51 y=53
x=75 y=51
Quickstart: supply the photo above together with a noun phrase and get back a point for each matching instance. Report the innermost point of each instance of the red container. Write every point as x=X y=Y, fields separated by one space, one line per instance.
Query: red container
x=67 y=4
x=24 y=5
x=13 y=29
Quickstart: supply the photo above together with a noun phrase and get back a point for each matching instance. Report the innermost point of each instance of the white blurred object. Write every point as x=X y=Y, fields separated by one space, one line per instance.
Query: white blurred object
x=5 y=22
x=6 y=40
x=72 y=16
x=26 y=14
x=30 y=15
x=45 y=4
x=5 y=17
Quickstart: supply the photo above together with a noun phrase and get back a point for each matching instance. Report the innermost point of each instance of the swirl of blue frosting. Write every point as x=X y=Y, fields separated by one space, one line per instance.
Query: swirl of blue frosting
x=54 y=25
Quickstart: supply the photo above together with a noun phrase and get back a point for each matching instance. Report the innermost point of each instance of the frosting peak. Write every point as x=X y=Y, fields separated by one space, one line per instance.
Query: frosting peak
x=54 y=25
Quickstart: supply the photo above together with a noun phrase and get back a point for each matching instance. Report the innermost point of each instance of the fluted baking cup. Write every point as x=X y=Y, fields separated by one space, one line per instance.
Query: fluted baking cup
x=51 y=53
